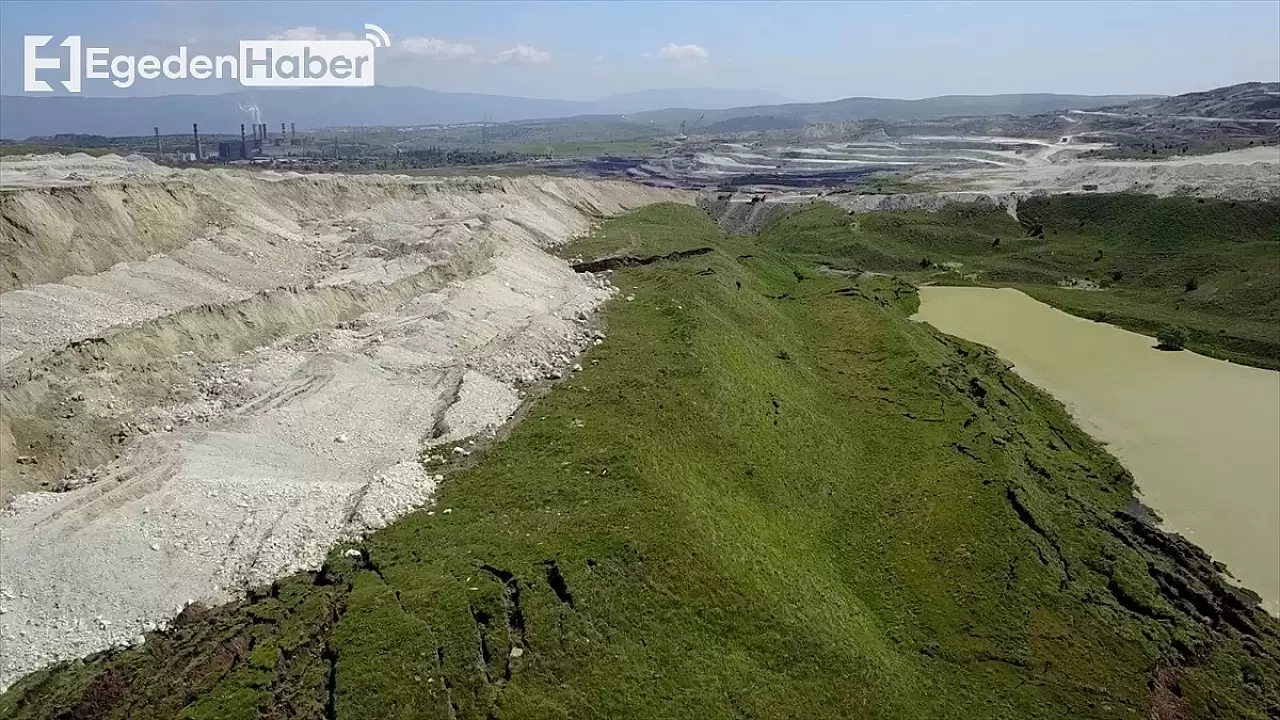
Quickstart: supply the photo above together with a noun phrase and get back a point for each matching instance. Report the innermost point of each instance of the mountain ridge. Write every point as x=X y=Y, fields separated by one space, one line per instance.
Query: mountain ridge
x=25 y=116
x=871 y=108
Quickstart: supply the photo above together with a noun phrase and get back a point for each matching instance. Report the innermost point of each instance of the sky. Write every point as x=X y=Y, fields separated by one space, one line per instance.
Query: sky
x=806 y=51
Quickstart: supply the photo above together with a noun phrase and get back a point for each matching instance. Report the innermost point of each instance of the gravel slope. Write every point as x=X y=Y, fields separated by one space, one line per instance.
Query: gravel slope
x=220 y=407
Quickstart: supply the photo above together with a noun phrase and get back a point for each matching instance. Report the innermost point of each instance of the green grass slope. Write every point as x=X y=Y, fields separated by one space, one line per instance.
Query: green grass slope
x=767 y=495
x=1211 y=266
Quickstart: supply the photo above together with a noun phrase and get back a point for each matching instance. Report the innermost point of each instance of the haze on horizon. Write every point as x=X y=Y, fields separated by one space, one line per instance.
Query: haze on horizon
x=802 y=51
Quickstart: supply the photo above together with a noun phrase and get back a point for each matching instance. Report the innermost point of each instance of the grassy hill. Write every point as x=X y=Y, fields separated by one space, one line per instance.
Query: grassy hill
x=768 y=494
x=1208 y=265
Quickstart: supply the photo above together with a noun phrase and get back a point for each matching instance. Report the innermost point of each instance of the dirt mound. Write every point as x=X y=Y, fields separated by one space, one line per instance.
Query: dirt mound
x=1250 y=174
x=225 y=374
x=1239 y=181
x=76 y=169
x=743 y=217
x=922 y=201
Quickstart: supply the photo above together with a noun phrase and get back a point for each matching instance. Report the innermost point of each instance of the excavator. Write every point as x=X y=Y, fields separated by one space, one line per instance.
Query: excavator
x=684 y=134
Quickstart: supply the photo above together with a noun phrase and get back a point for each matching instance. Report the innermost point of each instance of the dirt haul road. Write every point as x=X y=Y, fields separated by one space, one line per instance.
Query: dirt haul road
x=1249 y=174
x=211 y=377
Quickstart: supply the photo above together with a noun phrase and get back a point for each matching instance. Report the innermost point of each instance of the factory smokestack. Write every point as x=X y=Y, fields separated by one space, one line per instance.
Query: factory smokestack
x=282 y=133
x=293 y=133
x=158 y=148
x=195 y=133
x=244 y=147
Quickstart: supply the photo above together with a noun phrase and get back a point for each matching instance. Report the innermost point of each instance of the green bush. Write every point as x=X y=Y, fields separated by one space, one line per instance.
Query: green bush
x=1171 y=338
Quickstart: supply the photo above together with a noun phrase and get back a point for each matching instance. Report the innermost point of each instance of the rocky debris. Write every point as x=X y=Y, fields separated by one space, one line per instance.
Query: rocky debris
x=932 y=201
x=299 y=423
x=745 y=218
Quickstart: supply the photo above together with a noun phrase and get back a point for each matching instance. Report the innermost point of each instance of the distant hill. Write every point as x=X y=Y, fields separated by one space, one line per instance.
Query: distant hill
x=752 y=123
x=867 y=108
x=704 y=98
x=26 y=116
x=1254 y=100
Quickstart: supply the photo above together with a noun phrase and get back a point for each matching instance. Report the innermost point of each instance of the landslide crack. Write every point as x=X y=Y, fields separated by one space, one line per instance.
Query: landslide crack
x=330 y=655
x=439 y=427
x=1025 y=515
x=484 y=655
x=613 y=263
x=448 y=686
x=511 y=599
x=558 y=585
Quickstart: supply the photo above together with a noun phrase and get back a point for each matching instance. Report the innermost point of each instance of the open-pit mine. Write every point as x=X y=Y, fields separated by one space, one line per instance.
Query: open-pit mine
x=210 y=377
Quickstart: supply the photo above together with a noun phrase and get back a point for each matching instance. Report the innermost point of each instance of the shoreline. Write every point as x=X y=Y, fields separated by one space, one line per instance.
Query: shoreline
x=1161 y=454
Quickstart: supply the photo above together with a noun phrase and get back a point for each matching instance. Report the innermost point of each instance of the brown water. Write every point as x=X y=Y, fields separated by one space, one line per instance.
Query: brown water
x=1201 y=436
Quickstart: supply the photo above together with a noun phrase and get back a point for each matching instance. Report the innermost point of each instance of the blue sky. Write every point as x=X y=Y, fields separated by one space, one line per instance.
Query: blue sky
x=804 y=50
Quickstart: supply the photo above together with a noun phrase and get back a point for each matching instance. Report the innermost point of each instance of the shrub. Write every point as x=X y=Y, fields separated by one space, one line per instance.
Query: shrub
x=1192 y=284
x=1117 y=276
x=1171 y=338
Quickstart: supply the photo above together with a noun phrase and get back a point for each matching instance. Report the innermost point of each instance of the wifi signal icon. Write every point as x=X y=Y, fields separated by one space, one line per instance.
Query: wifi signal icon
x=376 y=35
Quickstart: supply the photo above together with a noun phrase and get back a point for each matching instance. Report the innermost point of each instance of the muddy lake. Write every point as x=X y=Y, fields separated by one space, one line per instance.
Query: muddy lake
x=1201 y=436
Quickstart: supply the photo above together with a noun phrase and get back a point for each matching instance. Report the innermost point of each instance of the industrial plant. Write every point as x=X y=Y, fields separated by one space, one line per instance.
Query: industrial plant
x=255 y=143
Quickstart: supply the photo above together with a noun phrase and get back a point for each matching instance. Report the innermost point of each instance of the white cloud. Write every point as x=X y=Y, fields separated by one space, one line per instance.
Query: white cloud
x=683 y=54
x=306 y=32
x=309 y=32
x=437 y=48
x=523 y=55
x=599 y=65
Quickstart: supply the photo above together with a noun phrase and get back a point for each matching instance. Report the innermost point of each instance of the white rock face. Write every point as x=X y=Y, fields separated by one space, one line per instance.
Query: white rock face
x=363 y=349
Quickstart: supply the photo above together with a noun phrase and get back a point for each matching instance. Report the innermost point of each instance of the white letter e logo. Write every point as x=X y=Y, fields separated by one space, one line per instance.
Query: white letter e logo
x=31 y=62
